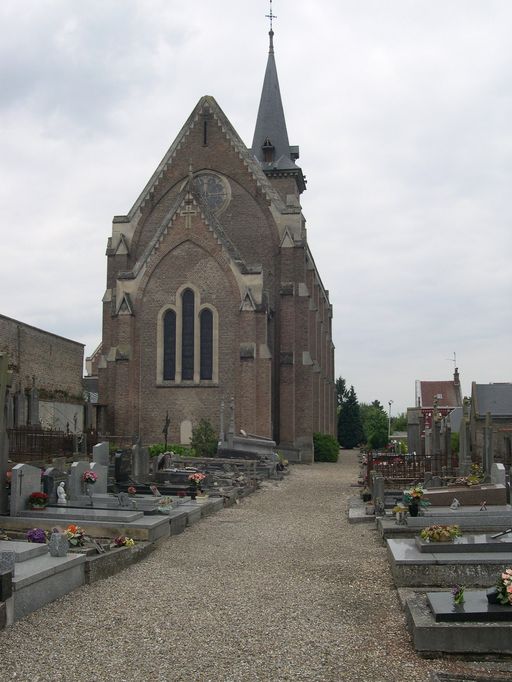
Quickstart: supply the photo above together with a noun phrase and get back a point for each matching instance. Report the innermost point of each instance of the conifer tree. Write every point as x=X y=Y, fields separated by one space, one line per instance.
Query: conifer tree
x=350 y=430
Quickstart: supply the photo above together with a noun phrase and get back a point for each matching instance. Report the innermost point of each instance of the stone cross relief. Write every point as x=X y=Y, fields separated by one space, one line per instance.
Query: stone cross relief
x=188 y=211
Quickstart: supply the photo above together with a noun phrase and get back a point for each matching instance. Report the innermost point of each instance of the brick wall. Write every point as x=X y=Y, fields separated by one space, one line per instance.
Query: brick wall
x=55 y=362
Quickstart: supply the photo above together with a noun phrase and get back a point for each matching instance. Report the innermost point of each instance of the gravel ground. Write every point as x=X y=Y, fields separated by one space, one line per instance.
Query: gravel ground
x=278 y=588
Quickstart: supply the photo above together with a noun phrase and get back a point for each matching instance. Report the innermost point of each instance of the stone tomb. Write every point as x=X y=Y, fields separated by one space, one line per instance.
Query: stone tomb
x=475 y=627
x=412 y=568
x=470 y=519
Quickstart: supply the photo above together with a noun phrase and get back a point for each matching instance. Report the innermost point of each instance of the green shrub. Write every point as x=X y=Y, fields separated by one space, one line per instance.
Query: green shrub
x=204 y=439
x=326 y=447
x=181 y=450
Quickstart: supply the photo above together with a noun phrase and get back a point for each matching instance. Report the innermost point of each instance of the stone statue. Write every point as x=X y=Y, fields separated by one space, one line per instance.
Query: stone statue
x=61 y=493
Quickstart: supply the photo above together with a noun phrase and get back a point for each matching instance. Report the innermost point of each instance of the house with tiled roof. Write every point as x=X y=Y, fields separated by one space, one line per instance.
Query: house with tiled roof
x=444 y=396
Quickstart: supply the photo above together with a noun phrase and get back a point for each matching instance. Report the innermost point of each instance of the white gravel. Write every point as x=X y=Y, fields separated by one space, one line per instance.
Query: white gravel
x=280 y=587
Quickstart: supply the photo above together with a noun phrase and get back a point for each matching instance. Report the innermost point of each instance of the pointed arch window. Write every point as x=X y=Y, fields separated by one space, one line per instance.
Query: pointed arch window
x=206 y=336
x=169 y=345
x=188 y=340
x=187 y=335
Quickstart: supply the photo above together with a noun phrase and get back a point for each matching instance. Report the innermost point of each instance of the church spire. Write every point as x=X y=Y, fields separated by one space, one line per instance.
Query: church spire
x=270 y=144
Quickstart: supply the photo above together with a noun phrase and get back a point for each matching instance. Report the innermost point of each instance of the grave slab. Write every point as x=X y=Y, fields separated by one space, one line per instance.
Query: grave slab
x=23 y=550
x=483 y=542
x=431 y=638
x=475 y=608
x=412 y=568
x=72 y=514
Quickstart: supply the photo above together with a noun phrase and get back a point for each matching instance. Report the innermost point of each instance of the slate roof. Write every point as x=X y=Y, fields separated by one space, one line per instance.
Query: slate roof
x=445 y=390
x=493 y=398
x=271 y=122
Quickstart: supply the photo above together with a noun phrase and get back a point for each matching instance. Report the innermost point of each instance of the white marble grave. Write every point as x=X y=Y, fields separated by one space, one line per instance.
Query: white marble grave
x=101 y=454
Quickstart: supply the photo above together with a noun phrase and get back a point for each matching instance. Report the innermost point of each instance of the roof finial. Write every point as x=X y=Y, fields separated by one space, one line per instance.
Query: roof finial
x=271 y=16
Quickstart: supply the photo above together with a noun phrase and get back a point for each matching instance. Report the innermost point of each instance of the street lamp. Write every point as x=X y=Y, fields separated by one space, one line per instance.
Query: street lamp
x=390 y=402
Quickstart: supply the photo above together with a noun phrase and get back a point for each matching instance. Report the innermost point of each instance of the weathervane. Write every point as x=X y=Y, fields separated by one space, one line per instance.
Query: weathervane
x=271 y=16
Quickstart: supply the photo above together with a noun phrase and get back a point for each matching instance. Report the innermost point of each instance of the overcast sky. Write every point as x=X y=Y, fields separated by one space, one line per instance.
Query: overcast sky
x=403 y=113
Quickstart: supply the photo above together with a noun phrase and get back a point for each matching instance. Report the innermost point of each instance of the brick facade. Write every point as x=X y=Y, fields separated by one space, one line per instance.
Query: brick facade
x=249 y=263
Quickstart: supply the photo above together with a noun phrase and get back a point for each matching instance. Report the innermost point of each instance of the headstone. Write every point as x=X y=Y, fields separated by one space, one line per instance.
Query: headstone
x=122 y=466
x=101 y=454
x=25 y=480
x=498 y=473
x=436 y=482
x=140 y=463
x=101 y=471
x=76 y=487
x=378 y=489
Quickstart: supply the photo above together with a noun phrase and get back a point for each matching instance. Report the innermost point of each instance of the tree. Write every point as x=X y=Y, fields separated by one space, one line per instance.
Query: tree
x=399 y=423
x=350 y=431
x=341 y=392
x=375 y=424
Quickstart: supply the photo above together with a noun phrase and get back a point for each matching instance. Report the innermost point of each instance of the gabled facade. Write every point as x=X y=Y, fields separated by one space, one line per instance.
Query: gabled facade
x=212 y=292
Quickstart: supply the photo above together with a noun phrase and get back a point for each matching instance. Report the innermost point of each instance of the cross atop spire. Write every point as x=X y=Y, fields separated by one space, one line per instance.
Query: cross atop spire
x=271 y=16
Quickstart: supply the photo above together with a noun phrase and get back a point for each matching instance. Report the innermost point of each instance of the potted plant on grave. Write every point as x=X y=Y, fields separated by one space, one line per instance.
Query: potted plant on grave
x=413 y=499
x=37 y=535
x=195 y=484
x=89 y=477
x=38 y=500
x=440 y=533
x=399 y=510
x=123 y=541
x=75 y=535
x=503 y=591
x=458 y=594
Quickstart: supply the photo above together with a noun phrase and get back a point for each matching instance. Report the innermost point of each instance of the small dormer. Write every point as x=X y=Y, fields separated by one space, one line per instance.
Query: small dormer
x=268 y=150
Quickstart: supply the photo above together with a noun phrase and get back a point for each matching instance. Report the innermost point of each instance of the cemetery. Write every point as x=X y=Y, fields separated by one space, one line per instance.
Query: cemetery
x=69 y=523
x=448 y=539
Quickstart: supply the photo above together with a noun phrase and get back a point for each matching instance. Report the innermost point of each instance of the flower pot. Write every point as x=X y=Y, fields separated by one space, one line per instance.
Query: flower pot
x=38 y=506
x=414 y=509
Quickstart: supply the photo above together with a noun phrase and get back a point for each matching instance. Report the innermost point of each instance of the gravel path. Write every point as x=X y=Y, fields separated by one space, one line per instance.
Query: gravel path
x=278 y=588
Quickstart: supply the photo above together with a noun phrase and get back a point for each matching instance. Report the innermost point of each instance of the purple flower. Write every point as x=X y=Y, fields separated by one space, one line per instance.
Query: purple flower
x=36 y=535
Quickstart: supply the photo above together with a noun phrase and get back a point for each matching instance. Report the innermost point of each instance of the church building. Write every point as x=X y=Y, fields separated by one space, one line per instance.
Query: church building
x=213 y=294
